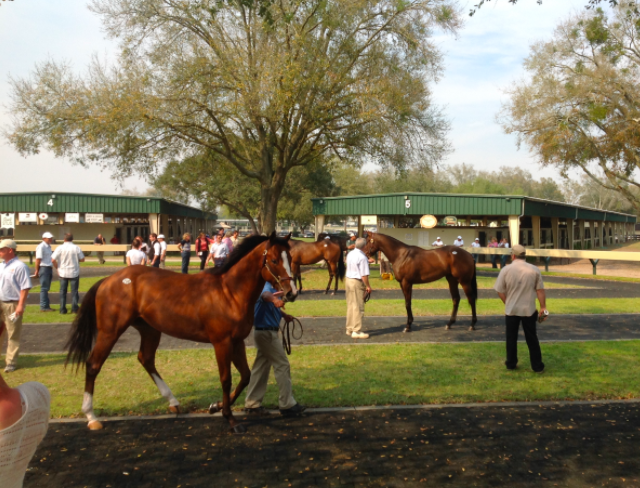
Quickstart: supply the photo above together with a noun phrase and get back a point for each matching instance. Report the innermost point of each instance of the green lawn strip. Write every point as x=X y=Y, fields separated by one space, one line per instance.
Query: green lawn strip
x=574 y=275
x=318 y=280
x=85 y=285
x=354 y=376
x=390 y=308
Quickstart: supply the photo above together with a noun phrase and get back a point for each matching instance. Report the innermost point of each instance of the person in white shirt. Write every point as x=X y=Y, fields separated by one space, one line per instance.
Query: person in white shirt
x=218 y=251
x=66 y=259
x=163 y=251
x=44 y=270
x=458 y=242
x=475 y=243
x=437 y=243
x=136 y=255
x=503 y=259
x=356 y=283
x=154 y=257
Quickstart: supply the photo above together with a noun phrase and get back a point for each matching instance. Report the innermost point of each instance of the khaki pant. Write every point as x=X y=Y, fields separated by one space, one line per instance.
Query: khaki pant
x=270 y=353
x=13 y=330
x=100 y=256
x=354 y=290
x=163 y=263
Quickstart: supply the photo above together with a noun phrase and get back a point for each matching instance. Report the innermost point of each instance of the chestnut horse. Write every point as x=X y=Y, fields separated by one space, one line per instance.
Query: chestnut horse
x=412 y=264
x=214 y=306
x=303 y=253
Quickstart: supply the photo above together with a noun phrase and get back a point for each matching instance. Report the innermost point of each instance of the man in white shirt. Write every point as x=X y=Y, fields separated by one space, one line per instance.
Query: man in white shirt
x=356 y=284
x=163 y=251
x=437 y=243
x=458 y=242
x=66 y=259
x=154 y=258
x=44 y=270
x=218 y=251
x=14 y=288
x=475 y=243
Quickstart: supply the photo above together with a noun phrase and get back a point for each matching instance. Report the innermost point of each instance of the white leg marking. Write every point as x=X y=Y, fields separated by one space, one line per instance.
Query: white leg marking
x=285 y=262
x=87 y=407
x=165 y=391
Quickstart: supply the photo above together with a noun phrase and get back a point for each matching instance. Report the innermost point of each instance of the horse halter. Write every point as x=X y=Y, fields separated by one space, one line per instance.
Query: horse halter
x=278 y=279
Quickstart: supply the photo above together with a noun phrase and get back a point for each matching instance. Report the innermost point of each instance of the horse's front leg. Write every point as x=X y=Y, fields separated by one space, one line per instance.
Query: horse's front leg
x=224 y=353
x=455 y=297
x=407 y=289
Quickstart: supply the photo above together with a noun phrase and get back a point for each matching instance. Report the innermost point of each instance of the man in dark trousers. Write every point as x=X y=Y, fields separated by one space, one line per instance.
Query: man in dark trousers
x=518 y=285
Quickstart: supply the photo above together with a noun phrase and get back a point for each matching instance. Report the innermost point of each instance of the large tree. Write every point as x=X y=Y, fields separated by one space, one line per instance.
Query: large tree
x=579 y=106
x=266 y=85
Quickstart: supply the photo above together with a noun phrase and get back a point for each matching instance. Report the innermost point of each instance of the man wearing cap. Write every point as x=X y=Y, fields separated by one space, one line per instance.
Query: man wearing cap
x=14 y=288
x=100 y=241
x=44 y=270
x=518 y=285
x=66 y=259
x=437 y=242
x=351 y=243
x=458 y=242
x=163 y=251
x=475 y=243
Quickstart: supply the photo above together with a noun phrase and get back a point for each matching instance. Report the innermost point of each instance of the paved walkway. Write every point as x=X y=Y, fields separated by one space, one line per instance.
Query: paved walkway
x=50 y=338
x=568 y=446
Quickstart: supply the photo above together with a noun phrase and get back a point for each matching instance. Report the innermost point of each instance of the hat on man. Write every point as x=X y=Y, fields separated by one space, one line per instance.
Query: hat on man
x=47 y=235
x=351 y=234
x=10 y=243
x=477 y=238
x=459 y=237
x=161 y=236
x=519 y=250
x=437 y=238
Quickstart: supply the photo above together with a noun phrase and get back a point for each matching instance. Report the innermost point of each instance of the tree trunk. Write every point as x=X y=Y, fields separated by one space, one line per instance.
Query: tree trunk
x=269 y=206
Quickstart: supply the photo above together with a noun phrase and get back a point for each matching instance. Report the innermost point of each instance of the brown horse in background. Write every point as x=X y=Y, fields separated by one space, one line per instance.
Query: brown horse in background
x=341 y=241
x=412 y=264
x=304 y=253
x=214 y=306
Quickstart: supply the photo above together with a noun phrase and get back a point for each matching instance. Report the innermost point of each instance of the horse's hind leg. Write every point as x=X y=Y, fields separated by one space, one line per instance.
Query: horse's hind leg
x=99 y=354
x=149 y=342
x=407 y=289
x=297 y=276
x=332 y=272
x=455 y=297
x=472 y=301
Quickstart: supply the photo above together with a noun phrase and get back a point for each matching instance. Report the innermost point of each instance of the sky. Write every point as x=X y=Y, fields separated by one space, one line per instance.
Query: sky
x=480 y=62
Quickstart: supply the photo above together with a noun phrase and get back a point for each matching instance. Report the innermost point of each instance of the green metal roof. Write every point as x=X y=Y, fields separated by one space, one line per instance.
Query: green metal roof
x=441 y=204
x=84 y=202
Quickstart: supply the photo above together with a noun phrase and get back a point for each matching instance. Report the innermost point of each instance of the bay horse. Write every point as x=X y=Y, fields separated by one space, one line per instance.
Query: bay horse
x=412 y=265
x=304 y=253
x=214 y=306
x=341 y=241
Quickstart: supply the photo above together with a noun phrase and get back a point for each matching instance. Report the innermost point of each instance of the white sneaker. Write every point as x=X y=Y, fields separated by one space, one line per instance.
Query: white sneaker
x=359 y=335
x=349 y=333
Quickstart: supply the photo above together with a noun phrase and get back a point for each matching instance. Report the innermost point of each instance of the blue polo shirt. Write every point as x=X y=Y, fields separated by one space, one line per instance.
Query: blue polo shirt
x=266 y=314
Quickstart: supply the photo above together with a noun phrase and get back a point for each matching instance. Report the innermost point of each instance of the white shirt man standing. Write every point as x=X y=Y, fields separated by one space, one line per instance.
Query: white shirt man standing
x=356 y=284
x=44 y=270
x=66 y=259
x=475 y=243
x=14 y=288
x=163 y=251
x=437 y=243
x=154 y=244
x=458 y=242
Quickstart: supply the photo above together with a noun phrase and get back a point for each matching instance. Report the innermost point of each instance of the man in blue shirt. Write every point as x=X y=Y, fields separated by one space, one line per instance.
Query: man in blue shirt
x=267 y=315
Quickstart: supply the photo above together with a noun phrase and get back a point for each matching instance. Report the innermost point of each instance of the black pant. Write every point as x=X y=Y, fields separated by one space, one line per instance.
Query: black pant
x=493 y=260
x=156 y=263
x=186 y=257
x=203 y=258
x=531 y=336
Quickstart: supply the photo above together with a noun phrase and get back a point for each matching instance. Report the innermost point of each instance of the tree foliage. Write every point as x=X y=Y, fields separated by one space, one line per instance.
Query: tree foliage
x=264 y=86
x=580 y=104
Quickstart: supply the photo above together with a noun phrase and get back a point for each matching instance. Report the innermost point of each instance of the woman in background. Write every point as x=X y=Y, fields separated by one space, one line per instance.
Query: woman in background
x=185 y=251
x=135 y=255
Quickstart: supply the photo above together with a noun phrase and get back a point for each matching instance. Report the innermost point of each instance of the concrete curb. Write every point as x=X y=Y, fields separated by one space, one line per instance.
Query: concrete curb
x=365 y=408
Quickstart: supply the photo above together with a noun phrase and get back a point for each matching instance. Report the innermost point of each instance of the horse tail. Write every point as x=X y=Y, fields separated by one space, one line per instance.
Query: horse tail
x=83 y=330
x=342 y=269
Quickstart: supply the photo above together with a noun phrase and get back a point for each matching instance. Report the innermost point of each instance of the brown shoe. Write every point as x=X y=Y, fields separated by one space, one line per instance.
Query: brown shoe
x=43 y=310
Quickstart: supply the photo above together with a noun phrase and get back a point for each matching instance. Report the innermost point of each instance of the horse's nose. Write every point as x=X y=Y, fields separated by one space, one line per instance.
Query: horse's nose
x=292 y=295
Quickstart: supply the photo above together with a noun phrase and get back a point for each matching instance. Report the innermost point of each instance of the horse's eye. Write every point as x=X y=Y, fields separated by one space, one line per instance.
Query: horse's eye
x=274 y=261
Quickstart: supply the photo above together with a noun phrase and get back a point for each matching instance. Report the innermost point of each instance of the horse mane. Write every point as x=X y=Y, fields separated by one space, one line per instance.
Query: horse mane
x=394 y=241
x=247 y=245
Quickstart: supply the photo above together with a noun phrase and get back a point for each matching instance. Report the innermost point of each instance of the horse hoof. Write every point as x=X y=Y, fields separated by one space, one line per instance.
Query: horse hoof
x=472 y=328
x=448 y=327
x=95 y=425
x=238 y=429
x=333 y=293
x=407 y=329
x=215 y=407
x=175 y=409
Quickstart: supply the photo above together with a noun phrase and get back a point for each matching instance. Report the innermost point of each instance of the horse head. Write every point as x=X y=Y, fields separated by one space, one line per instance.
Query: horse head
x=372 y=246
x=276 y=268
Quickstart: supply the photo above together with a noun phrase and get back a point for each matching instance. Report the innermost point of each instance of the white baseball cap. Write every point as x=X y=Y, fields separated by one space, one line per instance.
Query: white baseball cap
x=161 y=236
x=47 y=235
x=459 y=237
x=477 y=238
x=437 y=238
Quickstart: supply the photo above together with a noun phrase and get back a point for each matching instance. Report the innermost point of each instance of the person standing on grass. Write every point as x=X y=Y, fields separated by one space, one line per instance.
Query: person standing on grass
x=163 y=251
x=493 y=244
x=518 y=285
x=154 y=251
x=202 y=249
x=504 y=244
x=143 y=246
x=44 y=270
x=458 y=242
x=267 y=315
x=15 y=284
x=185 y=251
x=135 y=255
x=475 y=243
x=356 y=284
x=234 y=238
x=218 y=251
x=66 y=259
x=100 y=241
x=228 y=242
x=24 y=420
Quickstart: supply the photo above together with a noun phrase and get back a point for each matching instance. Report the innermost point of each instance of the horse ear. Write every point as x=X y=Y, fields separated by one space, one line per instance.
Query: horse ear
x=272 y=237
x=288 y=237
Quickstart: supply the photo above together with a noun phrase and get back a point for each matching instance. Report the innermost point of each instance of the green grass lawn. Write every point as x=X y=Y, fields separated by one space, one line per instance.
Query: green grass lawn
x=85 y=285
x=318 y=280
x=355 y=375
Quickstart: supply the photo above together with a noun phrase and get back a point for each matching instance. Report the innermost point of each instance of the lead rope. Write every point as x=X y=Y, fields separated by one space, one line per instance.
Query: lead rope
x=288 y=331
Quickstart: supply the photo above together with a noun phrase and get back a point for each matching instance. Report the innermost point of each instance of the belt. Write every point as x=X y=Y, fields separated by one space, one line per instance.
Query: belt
x=268 y=328
x=10 y=301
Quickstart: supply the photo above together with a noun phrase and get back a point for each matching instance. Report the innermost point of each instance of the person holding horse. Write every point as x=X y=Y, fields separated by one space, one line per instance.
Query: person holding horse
x=356 y=285
x=267 y=314
x=518 y=285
